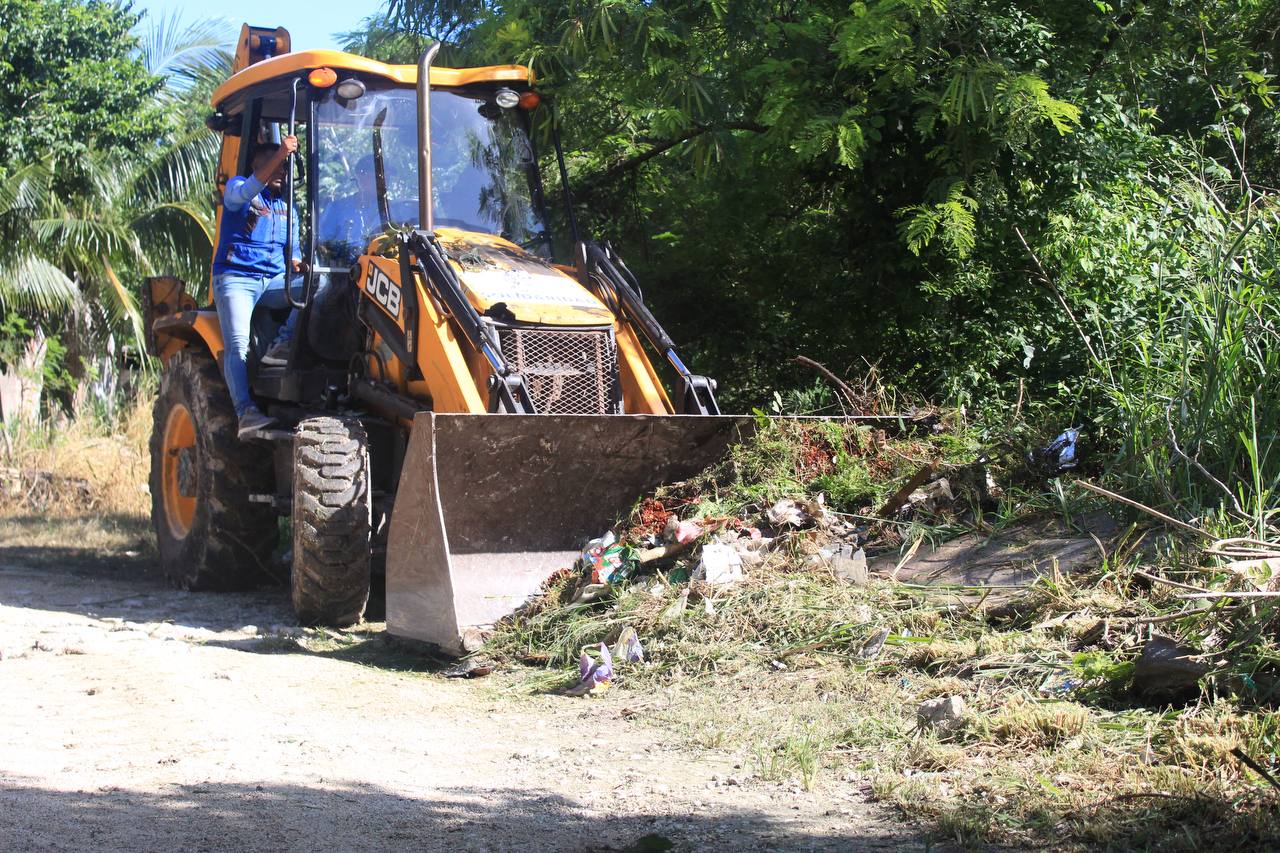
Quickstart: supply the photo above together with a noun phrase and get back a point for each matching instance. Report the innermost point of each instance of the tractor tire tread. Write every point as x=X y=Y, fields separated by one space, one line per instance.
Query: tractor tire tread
x=231 y=540
x=332 y=522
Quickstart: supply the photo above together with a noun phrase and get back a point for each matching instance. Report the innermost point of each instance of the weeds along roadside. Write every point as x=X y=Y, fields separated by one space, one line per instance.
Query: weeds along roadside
x=1189 y=397
x=1055 y=747
x=80 y=481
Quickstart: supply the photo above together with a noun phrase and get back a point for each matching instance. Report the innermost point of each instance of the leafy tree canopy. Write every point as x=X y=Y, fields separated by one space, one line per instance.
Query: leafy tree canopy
x=71 y=82
x=948 y=188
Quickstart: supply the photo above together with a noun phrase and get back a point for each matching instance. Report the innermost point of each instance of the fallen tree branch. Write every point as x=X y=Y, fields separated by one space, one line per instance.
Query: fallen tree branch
x=830 y=377
x=1105 y=622
x=1168 y=617
x=1167 y=582
x=1254 y=766
x=1242 y=547
x=662 y=552
x=1243 y=594
x=901 y=496
x=1167 y=519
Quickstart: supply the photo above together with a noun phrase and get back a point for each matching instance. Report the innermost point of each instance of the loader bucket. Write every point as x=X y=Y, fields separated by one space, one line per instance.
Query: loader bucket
x=489 y=506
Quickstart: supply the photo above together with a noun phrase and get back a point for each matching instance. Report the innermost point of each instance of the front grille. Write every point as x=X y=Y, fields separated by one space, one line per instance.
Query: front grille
x=572 y=372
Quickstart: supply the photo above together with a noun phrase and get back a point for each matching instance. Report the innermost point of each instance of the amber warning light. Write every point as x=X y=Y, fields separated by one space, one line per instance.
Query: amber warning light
x=322 y=78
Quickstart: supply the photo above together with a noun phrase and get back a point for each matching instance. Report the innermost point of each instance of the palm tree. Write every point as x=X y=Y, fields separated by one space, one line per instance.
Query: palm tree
x=82 y=258
x=29 y=282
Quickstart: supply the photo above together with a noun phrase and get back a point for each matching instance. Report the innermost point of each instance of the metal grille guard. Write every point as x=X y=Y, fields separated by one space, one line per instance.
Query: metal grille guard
x=507 y=389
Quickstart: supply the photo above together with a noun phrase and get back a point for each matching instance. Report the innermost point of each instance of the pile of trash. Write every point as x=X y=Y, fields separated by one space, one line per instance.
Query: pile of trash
x=668 y=543
x=702 y=553
x=718 y=551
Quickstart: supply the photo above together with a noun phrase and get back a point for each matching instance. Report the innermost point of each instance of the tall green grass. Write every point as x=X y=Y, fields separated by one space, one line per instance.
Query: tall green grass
x=1192 y=393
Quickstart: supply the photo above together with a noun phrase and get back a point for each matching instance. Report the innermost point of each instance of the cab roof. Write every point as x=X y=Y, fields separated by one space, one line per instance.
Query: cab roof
x=289 y=64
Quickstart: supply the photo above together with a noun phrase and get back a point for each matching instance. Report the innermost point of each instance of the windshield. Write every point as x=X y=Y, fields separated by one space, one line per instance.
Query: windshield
x=483 y=165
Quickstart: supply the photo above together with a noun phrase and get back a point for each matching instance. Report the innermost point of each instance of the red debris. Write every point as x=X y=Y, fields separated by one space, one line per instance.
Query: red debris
x=651 y=518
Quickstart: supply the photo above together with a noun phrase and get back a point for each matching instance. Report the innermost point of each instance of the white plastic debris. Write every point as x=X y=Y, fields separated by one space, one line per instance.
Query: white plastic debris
x=932 y=497
x=720 y=564
x=849 y=563
x=786 y=513
x=799 y=513
x=748 y=555
x=845 y=560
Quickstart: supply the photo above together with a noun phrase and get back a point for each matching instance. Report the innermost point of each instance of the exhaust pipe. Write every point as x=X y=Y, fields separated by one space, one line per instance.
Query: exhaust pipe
x=425 y=211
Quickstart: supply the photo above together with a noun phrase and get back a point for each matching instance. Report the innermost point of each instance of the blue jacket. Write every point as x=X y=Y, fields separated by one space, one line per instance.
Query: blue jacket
x=251 y=239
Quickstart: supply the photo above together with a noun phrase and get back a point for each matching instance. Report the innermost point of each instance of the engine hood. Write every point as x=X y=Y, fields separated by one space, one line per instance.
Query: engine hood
x=495 y=271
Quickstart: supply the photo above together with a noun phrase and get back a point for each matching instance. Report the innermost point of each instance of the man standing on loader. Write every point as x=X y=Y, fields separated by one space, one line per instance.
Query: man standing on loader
x=249 y=266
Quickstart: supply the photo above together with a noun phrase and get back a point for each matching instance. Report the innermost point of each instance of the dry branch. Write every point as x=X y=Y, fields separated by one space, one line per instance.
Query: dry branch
x=1245 y=594
x=1167 y=519
x=840 y=384
x=901 y=496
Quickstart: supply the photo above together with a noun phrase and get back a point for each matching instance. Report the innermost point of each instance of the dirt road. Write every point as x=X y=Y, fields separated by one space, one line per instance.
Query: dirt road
x=133 y=716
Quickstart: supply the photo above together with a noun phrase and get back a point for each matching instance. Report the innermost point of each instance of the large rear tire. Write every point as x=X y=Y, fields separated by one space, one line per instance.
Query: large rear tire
x=207 y=532
x=332 y=518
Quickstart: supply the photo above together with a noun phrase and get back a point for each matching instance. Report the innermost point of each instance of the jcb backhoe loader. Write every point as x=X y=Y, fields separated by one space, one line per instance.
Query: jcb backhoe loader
x=457 y=409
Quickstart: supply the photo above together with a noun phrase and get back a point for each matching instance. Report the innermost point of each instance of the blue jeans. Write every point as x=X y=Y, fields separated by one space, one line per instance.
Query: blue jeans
x=235 y=295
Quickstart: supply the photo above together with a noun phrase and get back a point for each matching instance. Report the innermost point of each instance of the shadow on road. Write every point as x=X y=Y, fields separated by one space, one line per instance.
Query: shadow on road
x=220 y=817
x=114 y=545
x=367 y=645
x=104 y=582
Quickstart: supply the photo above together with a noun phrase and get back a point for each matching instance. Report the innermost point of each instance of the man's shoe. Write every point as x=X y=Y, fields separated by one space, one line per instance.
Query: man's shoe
x=252 y=422
x=276 y=356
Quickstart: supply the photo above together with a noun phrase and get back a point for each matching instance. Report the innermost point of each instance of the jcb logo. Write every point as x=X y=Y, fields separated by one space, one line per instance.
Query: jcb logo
x=387 y=293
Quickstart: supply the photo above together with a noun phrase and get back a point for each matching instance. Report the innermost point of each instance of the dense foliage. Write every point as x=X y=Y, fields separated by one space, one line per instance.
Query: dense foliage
x=858 y=181
x=104 y=175
x=1062 y=208
x=71 y=84
x=998 y=205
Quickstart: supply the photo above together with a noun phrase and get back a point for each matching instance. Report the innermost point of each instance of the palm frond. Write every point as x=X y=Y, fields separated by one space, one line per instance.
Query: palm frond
x=199 y=222
x=177 y=239
x=180 y=52
x=26 y=188
x=74 y=237
x=181 y=171
x=30 y=283
x=123 y=306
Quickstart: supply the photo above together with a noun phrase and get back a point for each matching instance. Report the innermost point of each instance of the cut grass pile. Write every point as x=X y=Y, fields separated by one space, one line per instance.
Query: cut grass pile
x=780 y=670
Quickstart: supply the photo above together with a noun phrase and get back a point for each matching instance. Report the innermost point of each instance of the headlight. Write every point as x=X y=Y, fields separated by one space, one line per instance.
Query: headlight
x=350 y=89
x=506 y=98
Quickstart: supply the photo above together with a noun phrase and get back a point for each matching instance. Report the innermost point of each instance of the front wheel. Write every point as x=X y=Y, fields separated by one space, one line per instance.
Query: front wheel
x=332 y=518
